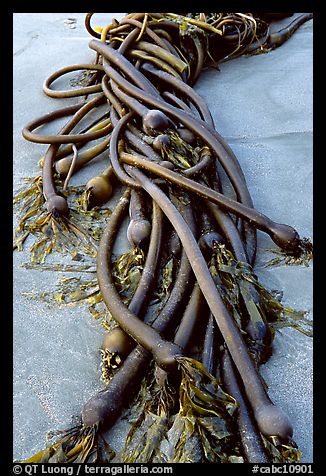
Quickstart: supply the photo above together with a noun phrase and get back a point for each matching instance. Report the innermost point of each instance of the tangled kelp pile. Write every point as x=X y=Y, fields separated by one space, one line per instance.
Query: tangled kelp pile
x=212 y=326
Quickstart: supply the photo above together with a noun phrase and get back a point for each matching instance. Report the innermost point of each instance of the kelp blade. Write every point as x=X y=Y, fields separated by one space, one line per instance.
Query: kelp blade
x=78 y=445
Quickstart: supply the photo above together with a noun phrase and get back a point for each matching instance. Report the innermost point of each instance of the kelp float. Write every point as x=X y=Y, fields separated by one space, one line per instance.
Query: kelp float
x=187 y=321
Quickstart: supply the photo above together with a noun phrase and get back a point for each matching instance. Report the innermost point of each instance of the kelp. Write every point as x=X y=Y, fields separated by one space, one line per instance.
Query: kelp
x=28 y=201
x=179 y=152
x=204 y=429
x=79 y=444
x=142 y=444
x=78 y=290
x=76 y=235
x=242 y=291
x=61 y=235
x=296 y=320
x=127 y=269
x=72 y=291
x=302 y=257
x=244 y=28
x=85 y=199
x=149 y=416
x=61 y=267
x=184 y=416
x=84 y=78
x=165 y=283
x=205 y=418
x=280 y=452
x=92 y=220
x=187 y=23
x=110 y=362
x=145 y=393
x=194 y=417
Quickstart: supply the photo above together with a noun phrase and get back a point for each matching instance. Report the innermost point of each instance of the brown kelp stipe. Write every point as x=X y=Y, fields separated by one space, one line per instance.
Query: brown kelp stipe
x=187 y=322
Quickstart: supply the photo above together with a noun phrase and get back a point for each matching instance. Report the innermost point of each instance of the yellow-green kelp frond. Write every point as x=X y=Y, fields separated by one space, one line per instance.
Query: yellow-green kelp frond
x=281 y=452
x=79 y=444
x=143 y=441
x=149 y=416
x=84 y=290
x=180 y=153
x=127 y=269
x=93 y=220
x=76 y=235
x=75 y=291
x=203 y=429
x=237 y=280
x=28 y=203
x=165 y=284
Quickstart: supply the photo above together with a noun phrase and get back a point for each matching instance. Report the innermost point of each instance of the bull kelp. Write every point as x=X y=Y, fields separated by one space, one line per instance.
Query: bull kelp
x=187 y=321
